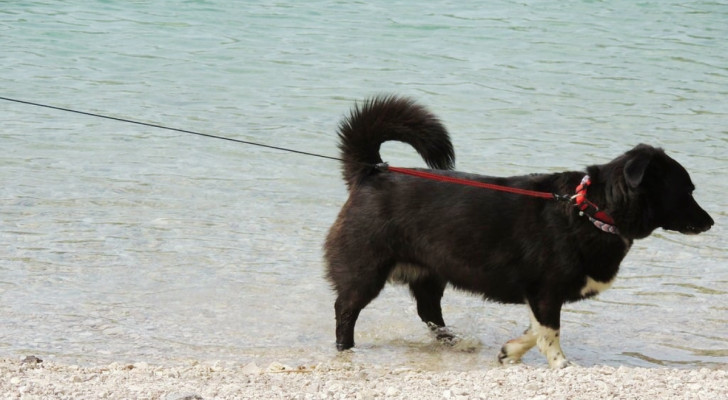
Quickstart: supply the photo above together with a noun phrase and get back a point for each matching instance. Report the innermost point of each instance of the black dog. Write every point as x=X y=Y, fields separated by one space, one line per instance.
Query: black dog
x=510 y=248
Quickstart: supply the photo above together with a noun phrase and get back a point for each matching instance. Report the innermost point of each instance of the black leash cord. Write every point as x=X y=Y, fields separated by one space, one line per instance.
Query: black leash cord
x=207 y=135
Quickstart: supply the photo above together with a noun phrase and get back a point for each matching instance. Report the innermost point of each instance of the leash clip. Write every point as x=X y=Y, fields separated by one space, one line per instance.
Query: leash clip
x=563 y=197
x=381 y=167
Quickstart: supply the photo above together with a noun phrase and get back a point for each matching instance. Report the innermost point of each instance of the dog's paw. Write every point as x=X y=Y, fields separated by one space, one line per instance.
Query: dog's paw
x=450 y=339
x=563 y=363
x=505 y=359
x=443 y=334
x=344 y=346
x=446 y=337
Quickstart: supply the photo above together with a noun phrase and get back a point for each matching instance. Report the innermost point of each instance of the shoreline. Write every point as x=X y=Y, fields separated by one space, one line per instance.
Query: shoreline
x=29 y=379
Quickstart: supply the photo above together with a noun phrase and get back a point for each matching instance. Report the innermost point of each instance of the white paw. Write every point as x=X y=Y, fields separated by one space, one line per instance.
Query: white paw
x=505 y=359
x=561 y=363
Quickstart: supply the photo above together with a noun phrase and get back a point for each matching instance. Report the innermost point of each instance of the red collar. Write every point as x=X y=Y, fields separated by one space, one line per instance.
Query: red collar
x=600 y=219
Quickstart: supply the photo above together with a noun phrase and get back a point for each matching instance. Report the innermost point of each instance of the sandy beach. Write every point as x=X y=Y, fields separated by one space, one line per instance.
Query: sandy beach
x=29 y=379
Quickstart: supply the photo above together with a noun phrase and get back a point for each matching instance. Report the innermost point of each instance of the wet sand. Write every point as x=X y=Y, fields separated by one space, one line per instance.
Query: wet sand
x=32 y=380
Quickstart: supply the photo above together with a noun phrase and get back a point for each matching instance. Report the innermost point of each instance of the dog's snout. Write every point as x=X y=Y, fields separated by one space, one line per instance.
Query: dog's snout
x=698 y=222
x=701 y=220
x=706 y=223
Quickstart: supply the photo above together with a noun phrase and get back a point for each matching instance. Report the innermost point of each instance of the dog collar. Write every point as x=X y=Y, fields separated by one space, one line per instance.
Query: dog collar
x=600 y=219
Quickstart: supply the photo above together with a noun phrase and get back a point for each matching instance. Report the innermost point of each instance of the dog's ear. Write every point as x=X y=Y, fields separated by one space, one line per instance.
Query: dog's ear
x=634 y=169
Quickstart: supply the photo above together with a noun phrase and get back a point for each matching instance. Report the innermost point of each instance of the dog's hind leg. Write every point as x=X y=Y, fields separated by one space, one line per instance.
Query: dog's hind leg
x=427 y=291
x=350 y=301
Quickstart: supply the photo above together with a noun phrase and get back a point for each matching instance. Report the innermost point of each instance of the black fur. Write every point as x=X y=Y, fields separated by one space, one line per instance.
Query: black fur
x=509 y=248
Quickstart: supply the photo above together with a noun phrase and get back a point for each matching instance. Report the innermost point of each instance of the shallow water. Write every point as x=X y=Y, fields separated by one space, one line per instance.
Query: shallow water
x=128 y=243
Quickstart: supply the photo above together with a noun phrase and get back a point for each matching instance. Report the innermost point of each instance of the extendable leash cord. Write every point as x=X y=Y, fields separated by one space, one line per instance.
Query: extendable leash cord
x=130 y=121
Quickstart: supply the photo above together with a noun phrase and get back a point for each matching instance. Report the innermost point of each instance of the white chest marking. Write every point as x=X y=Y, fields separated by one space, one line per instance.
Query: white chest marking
x=593 y=288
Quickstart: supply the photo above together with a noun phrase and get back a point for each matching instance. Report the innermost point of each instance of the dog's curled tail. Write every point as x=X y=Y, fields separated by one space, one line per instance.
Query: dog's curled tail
x=385 y=118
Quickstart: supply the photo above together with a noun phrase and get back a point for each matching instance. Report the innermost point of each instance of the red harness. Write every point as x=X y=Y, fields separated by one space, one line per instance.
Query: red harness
x=600 y=219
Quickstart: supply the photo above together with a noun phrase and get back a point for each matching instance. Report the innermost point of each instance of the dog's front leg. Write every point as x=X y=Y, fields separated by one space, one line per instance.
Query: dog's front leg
x=514 y=349
x=544 y=332
x=550 y=346
x=547 y=316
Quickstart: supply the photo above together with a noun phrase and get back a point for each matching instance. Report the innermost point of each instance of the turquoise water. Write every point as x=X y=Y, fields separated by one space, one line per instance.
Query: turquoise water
x=128 y=243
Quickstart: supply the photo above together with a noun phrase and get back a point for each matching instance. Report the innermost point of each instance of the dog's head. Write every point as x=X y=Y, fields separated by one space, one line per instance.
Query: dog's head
x=654 y=191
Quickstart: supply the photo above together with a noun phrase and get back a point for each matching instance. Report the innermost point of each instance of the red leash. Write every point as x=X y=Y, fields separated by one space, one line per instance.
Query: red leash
x=468 y=182
x=599 y=218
